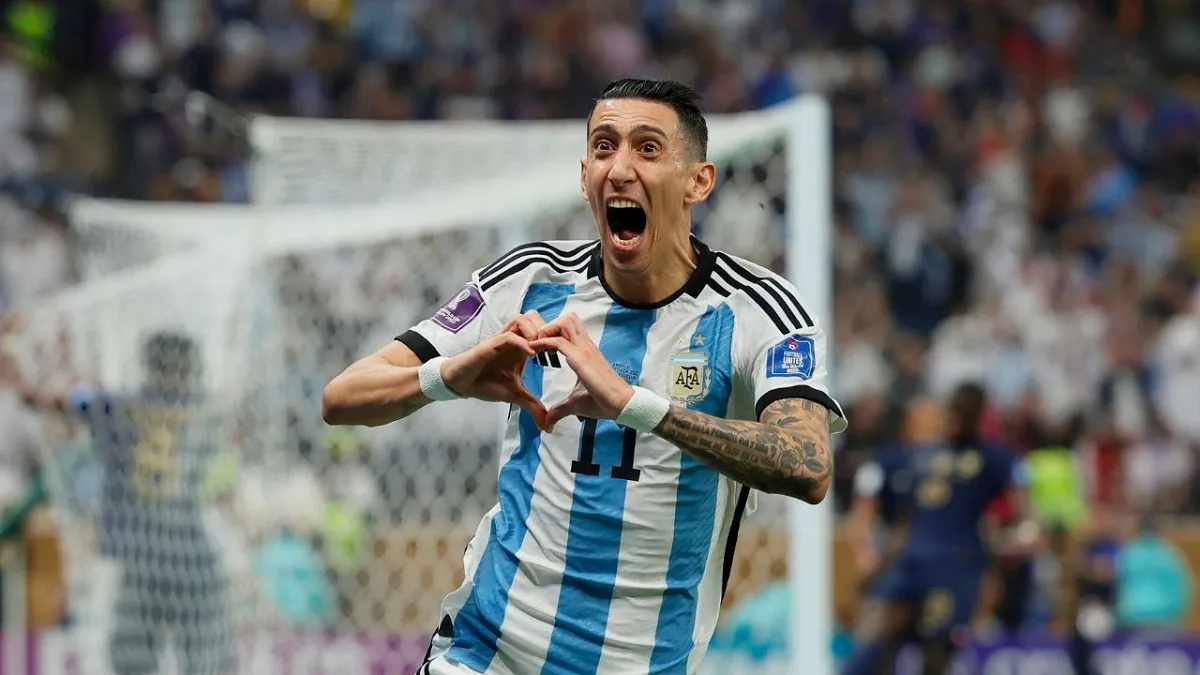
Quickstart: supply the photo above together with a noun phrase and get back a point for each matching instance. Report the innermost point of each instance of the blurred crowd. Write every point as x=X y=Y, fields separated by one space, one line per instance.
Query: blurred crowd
x=1017 y=182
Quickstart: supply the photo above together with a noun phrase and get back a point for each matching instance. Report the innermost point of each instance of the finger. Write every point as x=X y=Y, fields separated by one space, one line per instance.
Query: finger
x=576 y=324
x=525 y=400
x=573 y=329
x=557 y=413
x=536 y=410
x=513 y=341
x=529 y=403
x=571 y=405
x=535 y=318
x=528 y=330
x=565 y=325
x=556 y=328
x=558 y=343
x=523 y=326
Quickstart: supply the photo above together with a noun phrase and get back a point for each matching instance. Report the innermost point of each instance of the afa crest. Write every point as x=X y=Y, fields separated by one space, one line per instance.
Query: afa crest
x=688 y=377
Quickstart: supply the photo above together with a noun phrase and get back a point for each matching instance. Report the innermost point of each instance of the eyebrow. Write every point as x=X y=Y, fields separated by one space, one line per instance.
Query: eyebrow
x=607 y=128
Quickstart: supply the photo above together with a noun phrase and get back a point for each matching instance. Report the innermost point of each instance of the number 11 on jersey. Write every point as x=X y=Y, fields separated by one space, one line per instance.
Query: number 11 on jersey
x=586 y=465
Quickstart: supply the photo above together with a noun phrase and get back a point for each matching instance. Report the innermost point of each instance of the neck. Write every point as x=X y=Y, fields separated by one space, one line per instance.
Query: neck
x=669 y=272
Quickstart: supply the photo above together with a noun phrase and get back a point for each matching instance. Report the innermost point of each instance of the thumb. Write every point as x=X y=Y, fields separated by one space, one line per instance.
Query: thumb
x=528 y=402
x=531 y=404
x=536 y=410
x=572 y=405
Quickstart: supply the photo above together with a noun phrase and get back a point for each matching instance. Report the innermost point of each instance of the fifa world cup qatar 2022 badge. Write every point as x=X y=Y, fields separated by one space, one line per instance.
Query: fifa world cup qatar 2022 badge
x=793 y=356
x=461 y=310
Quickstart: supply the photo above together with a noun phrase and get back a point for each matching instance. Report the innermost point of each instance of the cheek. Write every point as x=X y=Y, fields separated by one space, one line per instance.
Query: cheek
x=669 y=194
x=593 y=179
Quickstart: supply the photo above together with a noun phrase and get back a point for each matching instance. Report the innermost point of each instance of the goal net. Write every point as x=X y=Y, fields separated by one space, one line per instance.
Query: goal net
x=339 y=544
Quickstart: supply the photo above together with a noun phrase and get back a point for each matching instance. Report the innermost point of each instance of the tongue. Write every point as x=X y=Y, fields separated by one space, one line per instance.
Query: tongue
x=626 y=234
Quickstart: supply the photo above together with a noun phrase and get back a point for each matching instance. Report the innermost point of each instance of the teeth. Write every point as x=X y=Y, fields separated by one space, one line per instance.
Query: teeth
x=623 y=204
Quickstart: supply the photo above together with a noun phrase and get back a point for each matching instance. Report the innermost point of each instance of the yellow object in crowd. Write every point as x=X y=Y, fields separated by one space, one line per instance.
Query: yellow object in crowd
x=334 y=12
x=32 y=26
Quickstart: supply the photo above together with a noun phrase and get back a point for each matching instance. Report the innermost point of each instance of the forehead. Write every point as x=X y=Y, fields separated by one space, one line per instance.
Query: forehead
x=626 y=114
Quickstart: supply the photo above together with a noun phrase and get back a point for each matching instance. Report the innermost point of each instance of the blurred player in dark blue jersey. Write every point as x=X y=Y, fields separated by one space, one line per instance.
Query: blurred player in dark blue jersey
x=880 y=510
x=154 y=446
x=883 y=488
x=935 y=581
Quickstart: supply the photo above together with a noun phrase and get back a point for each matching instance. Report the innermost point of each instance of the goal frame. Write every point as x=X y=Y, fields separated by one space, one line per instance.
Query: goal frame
x=809 y=267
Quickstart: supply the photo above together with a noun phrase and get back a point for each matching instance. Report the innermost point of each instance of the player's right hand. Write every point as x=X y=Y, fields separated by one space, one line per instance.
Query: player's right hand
x=493 y=369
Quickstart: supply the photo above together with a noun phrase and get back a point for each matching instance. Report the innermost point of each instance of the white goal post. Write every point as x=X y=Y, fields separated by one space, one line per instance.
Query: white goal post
x=407 y=210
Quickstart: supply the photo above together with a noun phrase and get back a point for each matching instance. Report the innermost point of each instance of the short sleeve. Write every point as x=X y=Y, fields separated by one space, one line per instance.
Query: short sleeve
x=462 y=322
x=868 y=480
x=787 y=359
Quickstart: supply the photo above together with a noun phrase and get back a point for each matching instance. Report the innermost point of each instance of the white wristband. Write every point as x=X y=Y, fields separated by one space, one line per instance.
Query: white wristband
x=430 y=377
x=645 y=411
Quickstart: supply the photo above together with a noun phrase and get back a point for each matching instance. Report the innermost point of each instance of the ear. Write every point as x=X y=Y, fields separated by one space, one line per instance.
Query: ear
x=583 y=179
x=704 y=179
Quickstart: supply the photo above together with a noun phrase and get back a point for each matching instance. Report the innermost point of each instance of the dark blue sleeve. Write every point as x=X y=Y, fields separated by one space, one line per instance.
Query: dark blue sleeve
x=1008 y=469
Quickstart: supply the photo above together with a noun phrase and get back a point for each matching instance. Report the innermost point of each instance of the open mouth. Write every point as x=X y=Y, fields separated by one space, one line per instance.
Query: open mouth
x=626 y=222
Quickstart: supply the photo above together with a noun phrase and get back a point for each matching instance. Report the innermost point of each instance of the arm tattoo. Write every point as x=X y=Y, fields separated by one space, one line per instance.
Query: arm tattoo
x=788 y=452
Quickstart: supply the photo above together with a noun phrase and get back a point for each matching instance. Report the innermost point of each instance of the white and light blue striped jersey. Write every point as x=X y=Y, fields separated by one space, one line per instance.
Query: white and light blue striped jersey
x=609 y=550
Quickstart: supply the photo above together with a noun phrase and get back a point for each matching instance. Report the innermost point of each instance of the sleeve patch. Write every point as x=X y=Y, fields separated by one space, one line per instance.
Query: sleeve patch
x=461 y=310
x=793 y=356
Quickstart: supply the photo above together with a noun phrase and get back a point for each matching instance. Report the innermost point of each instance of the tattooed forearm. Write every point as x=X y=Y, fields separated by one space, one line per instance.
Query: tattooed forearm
x=788 y=452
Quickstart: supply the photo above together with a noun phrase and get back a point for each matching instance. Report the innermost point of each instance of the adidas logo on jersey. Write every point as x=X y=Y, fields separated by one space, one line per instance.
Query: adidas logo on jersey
x=548 y=359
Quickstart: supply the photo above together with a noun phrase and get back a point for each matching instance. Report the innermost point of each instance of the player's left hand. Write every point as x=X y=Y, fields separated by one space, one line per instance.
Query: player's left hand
x=601 y=393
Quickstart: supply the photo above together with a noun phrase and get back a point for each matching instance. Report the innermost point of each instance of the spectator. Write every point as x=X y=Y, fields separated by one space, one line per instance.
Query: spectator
x=1155 y=586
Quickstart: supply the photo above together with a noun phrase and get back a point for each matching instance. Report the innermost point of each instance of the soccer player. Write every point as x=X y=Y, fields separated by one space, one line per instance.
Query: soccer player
x=880 y=511
x=154 y=446
x=883 y=489
x=935 y=582
x=655 y=384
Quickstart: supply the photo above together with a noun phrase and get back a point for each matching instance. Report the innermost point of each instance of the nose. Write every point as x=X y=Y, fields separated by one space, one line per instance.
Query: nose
x=621 y=172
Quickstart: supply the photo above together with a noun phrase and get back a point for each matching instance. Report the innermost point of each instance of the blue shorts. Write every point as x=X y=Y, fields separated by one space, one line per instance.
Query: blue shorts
x=942 y=594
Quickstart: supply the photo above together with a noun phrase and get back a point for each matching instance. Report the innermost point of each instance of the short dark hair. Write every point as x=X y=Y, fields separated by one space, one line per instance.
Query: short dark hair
x=678 y=96
x=969 y=401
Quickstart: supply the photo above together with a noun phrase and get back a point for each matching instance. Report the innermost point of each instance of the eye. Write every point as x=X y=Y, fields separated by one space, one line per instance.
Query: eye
x=650 y=148
x=603 y=145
